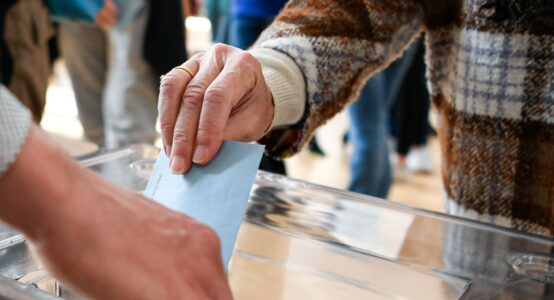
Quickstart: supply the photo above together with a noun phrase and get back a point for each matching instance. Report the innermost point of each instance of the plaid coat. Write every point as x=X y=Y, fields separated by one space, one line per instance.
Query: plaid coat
x=491 y=76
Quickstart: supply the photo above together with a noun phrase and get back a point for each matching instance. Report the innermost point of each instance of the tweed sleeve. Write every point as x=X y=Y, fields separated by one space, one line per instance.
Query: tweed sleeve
x=15 y=122
x=337 y=45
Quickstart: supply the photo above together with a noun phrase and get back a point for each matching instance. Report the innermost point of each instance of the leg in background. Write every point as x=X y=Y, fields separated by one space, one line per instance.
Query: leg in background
x=84 y=49
x=130 y=102
x=412 y=112
x=370 y=166
x=244 y=31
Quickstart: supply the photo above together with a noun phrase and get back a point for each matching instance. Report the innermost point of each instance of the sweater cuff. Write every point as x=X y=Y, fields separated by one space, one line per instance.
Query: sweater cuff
x=286 y=83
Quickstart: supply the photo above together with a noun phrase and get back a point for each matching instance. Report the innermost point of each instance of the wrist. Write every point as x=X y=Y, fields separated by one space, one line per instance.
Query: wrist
x=36 y=187
x=270 y=115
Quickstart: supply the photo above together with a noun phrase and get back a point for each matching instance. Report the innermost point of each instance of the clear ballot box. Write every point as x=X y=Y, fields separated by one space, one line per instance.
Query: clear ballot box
x=303 y=241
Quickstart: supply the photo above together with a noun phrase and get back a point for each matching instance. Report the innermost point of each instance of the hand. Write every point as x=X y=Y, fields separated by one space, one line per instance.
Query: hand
x=107 y=16
x=227 y=99
x=103 y=240
x=197 y=6
x=122 y=246
x=193 y=7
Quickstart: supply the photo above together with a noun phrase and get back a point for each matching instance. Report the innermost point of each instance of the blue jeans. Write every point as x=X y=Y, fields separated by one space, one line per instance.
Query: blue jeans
x=370 y=167
x=244 y=31
x=218 y=13
x=371 y=172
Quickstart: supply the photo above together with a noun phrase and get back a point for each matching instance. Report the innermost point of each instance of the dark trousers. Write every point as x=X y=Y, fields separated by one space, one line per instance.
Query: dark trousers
x=244 y=31
x=410 y=113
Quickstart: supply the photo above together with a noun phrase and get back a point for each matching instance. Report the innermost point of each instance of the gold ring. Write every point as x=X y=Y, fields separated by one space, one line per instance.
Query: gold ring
x=186 y=70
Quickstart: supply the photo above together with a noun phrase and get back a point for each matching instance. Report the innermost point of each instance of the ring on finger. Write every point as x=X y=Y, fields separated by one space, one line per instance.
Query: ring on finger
x=188 y=70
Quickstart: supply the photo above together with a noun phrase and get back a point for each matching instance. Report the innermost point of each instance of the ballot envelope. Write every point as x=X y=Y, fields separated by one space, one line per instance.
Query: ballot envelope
x=303 y=241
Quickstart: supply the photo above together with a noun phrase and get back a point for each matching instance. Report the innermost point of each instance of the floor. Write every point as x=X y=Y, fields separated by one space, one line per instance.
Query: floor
x=421 y=191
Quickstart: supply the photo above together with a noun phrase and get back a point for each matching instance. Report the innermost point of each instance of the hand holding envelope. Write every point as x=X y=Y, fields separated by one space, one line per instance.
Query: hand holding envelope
x=105 y=241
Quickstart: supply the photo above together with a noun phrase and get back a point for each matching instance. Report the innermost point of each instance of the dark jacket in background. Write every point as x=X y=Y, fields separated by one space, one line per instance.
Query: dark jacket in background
x=164 y=43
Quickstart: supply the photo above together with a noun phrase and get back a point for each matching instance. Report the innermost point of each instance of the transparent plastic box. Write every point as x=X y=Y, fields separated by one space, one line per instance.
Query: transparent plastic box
x=303 y=241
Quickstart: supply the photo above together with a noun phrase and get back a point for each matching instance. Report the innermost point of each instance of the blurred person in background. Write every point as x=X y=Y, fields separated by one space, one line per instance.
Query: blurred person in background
x=217 y=12
x=249 y=18
x=371 y=119
x=25 y=33
x=370 y=168
x=410 y=113
x=115 y=61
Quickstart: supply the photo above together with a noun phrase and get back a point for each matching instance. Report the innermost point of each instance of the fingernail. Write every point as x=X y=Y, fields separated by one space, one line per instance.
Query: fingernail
x=177 y=164
x=199 y=155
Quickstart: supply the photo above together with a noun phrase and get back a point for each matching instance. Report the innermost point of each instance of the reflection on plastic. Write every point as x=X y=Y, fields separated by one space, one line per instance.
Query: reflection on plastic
x=302 y=241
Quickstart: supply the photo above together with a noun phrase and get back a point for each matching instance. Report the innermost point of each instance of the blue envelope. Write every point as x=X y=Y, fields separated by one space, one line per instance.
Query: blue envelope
x=215 y=194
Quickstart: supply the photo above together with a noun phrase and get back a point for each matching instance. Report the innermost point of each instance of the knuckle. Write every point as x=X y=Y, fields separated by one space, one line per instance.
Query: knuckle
x=166 y=126
x=246 y=66
x=182 y=136
x=208 y=130
x=168 y=82
x=215 y=95
x=168 y=90
x=192 y=101
x=220 y=48
x=195 y=90
x=209 y=236
x=197 y=56
x=209 y=139
x=249 y=59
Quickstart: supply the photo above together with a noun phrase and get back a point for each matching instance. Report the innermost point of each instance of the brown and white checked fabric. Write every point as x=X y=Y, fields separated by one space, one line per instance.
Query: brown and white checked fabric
x=491 y=76
x=15 y=122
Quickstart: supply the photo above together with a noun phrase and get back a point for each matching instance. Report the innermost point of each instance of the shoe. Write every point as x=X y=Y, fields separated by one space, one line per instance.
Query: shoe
x=420 y=160
x=400 y=172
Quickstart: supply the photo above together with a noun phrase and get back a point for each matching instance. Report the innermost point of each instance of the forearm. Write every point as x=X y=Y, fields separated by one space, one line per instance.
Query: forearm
x=337 y=47
x=36 y=187
x=99 y=239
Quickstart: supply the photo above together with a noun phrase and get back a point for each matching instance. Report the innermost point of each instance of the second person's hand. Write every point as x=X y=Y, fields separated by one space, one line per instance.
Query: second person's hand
x=107 y=16
x=218 y=94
